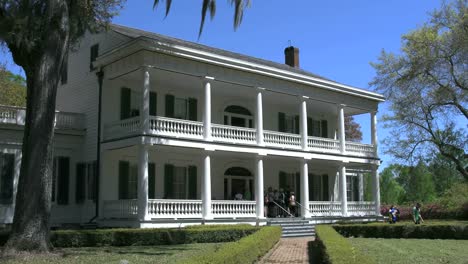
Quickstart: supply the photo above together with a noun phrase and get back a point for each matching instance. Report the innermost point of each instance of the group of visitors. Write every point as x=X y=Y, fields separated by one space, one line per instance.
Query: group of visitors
x=394 y=214
x=280 y=203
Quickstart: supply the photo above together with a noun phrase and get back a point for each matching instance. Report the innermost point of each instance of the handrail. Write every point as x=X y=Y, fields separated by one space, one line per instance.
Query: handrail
x=304 y=207
x=283 y=209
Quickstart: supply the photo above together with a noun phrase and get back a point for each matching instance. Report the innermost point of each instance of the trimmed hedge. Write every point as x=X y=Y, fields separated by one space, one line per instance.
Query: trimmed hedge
x=147 y=237
x=336 y=249
x=404 y=231
x=429 y=211
x=247 y=250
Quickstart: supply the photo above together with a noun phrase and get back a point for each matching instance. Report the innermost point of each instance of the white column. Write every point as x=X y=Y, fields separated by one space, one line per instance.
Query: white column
x=341 y=128
x=206 y=191
x=144 y=106
x=374 y=132
x=143 y=182
x=259 y=118
x=344 y=199
x=304 y=123
x=207 y=110
x=259 y=189
x=376 y=188
x=361 y=186
x=305 y=189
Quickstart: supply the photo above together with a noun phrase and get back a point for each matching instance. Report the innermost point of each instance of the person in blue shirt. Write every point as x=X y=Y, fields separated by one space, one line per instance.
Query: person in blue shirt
x=393 y=214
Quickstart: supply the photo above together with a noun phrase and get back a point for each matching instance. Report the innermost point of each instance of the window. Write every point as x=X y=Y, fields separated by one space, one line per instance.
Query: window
x=180 y=182
x=80 y=186
x=317 y=128
x=94 y=53
x=86 y=174
x=181 y=108
x=91 y=181
x=288 y=123
x=7 y=162
x=318 y=187
x=128 y=180
x=130 y=103
x=64 y=72
x=352 y=188
x=60 y=180
x=290 y=182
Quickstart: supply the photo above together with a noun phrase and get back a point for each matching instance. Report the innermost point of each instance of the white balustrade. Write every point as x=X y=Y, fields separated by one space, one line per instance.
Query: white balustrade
x=233 y=134
x=169 y=208
x=8 y=114
x=325 y=208
x=122 y=128
x=66 y=120
x=361 y=208
x=282 y=140
x=120 y=208
x=232 y=209
x=360 y=149
x=323 y=144
x=176 y=127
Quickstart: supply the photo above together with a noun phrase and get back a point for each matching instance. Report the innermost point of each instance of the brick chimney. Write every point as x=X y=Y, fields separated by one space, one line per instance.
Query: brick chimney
x=291 y=56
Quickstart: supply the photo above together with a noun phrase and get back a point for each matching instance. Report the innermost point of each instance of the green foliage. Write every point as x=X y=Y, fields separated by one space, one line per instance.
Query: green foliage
x=391 y=192
x=456 y=197
x=12 y=88
x=247 y=250
x=436 y=231
x=336 y=249
x=419 y=186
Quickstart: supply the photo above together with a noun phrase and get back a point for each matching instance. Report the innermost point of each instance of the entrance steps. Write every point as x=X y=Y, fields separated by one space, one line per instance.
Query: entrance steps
x=293 y=227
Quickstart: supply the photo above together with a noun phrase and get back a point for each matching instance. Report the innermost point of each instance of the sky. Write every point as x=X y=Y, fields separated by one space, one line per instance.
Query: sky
x=337 y=38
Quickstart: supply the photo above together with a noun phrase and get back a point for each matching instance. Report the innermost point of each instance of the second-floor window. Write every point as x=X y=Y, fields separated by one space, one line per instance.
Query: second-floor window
x=288 y=123
x=181 y=108
x=94 y=53
x=317 y=128
x=130 y=102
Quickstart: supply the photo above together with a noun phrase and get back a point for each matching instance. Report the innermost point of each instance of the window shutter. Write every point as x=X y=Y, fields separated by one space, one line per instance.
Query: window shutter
x=94 y=53
x=296 y=124
x=298 y=187
x=311 y=187
x=153 y=104
x=151 y=180
x=192 y=109
x=282 y=180
x=63 y=180
x=324 y=128
x=54 y=178
x=64 y=72
x=309 y=126
x=326 y=193
x=6 y=177
x=80 y=183
x=125 y=98
x=170 y=99
x=192 y=182
x=355 y=188
x=281 y=122
x=124 y=170
x=168 y=180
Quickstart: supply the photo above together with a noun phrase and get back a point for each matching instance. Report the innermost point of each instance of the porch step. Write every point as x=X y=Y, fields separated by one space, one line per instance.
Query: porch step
x=293 y=227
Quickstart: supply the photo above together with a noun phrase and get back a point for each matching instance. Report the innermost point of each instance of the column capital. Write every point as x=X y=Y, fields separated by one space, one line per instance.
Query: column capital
x=145 y=67
x=207 y=78
x=260 y=89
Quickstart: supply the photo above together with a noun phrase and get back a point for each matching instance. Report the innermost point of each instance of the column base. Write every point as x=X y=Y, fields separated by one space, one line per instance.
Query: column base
x=208 y=217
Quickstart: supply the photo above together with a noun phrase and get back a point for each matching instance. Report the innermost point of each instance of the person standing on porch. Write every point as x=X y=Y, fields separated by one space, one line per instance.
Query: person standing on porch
x=281 y=202
x=271 y=205
x=292 y=204
x=247 y=195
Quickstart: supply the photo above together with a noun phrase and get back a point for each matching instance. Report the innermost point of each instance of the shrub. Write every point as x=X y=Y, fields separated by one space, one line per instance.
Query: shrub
x=438 y=231
x=336 y=249
x=429 y=211
x=247 y=250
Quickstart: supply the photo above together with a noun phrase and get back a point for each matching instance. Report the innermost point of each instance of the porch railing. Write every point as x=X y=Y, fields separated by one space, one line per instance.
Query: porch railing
x=176 y=127
x=232 y=209
x=169 y=208
x=325 y=208
x=282 y=140
x=122 y=128
x=323 y=144
x=361 y=208
x=63 y=120
x=120 y=208
x=234 y=134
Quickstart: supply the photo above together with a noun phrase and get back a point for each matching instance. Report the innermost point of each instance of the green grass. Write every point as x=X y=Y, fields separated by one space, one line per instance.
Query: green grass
x=117 y=255
x=426 y=222
x=413 y=250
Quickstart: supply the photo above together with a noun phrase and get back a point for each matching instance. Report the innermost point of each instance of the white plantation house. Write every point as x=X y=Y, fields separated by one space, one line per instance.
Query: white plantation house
x=156 y=131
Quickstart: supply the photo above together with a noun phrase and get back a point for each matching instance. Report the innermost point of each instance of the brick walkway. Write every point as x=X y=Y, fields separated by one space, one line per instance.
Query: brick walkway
x=290 y=250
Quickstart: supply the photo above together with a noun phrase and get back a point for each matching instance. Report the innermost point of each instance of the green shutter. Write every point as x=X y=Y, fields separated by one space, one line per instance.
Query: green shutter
x=324 y=128
x=192 y=182
x=355 y=188
x=63 y=180
x=325 y=188
x=311 y=187
x=151 y=181
x=170 y=99
x=153 y=103
x=310 y=125
x=281 y=122
x=80 y=183
x=282 y=180
x=298 y=186
x=192 y=108
x=168 y=180
x=125 y=97
x=124 y=170
x=54 y=178
x=296 y=124
x=7 y=162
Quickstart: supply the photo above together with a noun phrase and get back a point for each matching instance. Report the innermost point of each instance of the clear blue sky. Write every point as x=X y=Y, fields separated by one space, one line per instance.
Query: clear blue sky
x=337 y=39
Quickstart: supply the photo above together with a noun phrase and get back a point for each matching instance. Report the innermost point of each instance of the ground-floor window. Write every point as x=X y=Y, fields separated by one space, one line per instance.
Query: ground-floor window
x=128 y=180
x=352 y=187
x=238 y=184
x=180 y=182
x=61 y=180
x=318 y=187
x=85 y=181
x=7 y=165
x=289 y=182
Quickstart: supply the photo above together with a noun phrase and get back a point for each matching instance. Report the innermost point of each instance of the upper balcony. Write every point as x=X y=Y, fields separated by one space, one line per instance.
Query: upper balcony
x=12 y=115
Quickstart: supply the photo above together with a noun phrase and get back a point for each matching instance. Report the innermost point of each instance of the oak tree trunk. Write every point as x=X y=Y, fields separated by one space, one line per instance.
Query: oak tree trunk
x=31 y=222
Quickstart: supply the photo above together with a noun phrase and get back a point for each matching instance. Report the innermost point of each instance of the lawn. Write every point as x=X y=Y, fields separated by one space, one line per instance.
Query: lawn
x=413 y=250
x=118 y=255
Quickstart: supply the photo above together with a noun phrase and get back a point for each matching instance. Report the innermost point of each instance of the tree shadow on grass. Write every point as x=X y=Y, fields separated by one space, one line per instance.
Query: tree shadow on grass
x=133 y=250
x=314 y=251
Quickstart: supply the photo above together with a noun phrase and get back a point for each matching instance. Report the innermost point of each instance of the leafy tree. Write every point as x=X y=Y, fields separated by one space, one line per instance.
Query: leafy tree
x=427 y=86
x=444 y=174
x=12 y=88
x=391 y=192
x=39 y=34
x=455 y=197
x=352 y=129
x=418 y=183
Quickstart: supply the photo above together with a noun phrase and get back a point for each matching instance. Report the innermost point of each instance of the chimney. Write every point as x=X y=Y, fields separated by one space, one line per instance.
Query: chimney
x=291 y=56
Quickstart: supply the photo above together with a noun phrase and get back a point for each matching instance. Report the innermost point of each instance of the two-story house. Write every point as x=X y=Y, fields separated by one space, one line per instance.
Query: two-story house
x=157 y=131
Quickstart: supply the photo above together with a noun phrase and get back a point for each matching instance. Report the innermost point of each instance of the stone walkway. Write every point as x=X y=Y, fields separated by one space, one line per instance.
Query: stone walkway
x=289 y=250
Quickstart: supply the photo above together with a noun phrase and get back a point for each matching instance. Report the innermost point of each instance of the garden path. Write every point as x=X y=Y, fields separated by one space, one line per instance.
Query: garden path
x=289 y=250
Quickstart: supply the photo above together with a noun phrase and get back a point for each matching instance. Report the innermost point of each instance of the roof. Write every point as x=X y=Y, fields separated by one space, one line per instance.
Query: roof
x=136 y=33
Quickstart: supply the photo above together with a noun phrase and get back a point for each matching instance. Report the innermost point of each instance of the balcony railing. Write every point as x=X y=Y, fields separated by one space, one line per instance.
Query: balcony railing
x=178 y=128
x=232 y=209
x=361 y=208
x=63 y=120
x=333 y=208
